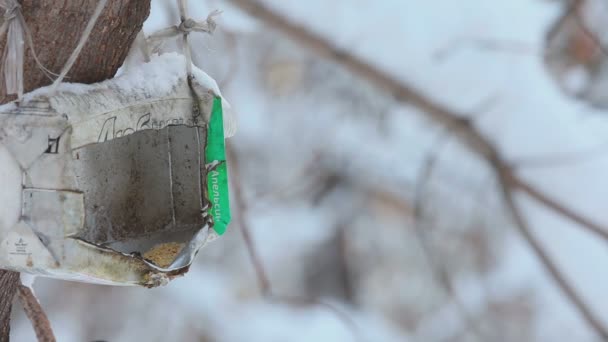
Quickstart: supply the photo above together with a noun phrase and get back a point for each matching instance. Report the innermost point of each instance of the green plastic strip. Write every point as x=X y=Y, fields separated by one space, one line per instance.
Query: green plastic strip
x=217 y=179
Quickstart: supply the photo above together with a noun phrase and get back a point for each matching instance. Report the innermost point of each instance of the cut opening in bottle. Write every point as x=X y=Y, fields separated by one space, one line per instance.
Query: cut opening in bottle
x=144 y=192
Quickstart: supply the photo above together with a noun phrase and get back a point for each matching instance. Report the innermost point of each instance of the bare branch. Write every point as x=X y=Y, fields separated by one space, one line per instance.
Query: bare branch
x=454 y=122
x=550 y=266
x=508 y=46
x=559 y=208
x=34 y=312
x=457 y=123
x=438 y=269
x=265 y=286
x=8 y=287
x=563 y=159
x=241 y=210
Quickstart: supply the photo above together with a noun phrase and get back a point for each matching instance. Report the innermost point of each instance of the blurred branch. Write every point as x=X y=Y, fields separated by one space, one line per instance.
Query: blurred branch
x=456 y=123
x=34 y=312
x=345 y=267
x=265 y=286
x=241 y=210
x=564 y=158
x=509 y=46
x=550 y=266
x=304 y=179
x=438 y=269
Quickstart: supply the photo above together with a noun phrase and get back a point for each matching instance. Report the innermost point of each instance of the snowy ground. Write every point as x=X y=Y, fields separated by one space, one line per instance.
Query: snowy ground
x=325 y=157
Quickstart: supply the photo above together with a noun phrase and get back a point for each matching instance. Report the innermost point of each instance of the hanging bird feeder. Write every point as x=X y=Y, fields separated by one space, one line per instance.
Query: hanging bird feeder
x=119 y=182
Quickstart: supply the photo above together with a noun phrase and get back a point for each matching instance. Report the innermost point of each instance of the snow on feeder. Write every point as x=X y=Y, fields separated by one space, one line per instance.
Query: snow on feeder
x=119 y=182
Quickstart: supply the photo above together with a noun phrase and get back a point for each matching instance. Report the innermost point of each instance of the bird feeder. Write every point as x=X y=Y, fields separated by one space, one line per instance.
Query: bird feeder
x=120 y=182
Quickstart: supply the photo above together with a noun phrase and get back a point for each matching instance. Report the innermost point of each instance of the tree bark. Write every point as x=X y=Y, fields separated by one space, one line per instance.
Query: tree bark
x=56 y=27
x=8 y=288
x=33 y=310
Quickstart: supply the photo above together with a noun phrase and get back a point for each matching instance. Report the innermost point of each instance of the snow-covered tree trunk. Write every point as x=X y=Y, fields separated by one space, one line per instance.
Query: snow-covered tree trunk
x=56 y=27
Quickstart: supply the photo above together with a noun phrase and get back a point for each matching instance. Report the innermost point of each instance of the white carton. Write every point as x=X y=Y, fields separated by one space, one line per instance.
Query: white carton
x=105 y=183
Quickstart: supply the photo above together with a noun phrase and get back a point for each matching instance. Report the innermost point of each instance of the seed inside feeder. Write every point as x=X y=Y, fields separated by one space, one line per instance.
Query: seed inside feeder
x=163 y=254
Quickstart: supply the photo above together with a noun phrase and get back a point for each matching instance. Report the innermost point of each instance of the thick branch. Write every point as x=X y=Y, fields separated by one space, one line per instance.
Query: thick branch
x=263 y=280
x=559 y=208
x=455 y=122
x=438 y=269
x=34 y=312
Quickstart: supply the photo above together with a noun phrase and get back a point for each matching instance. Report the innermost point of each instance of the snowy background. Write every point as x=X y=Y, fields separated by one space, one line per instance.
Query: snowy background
x=330 y=168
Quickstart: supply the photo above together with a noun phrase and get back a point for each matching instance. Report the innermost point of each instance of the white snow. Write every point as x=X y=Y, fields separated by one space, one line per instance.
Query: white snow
x=157 y=77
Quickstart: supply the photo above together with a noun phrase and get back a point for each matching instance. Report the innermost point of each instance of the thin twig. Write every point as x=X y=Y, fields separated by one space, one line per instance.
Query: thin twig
x=568 y=289
x=346 y=278
x=454 y=122
x=241 y=209
x=559 y=208
x=264 y=282
x=563 y=159
x=35 y=313
x=438 y=269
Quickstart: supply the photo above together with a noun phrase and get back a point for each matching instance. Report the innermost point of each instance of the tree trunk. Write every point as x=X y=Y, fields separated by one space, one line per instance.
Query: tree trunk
x=56 y=27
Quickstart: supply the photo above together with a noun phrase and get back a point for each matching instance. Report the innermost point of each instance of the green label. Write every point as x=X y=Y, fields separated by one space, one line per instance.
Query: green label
x=217 y=178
